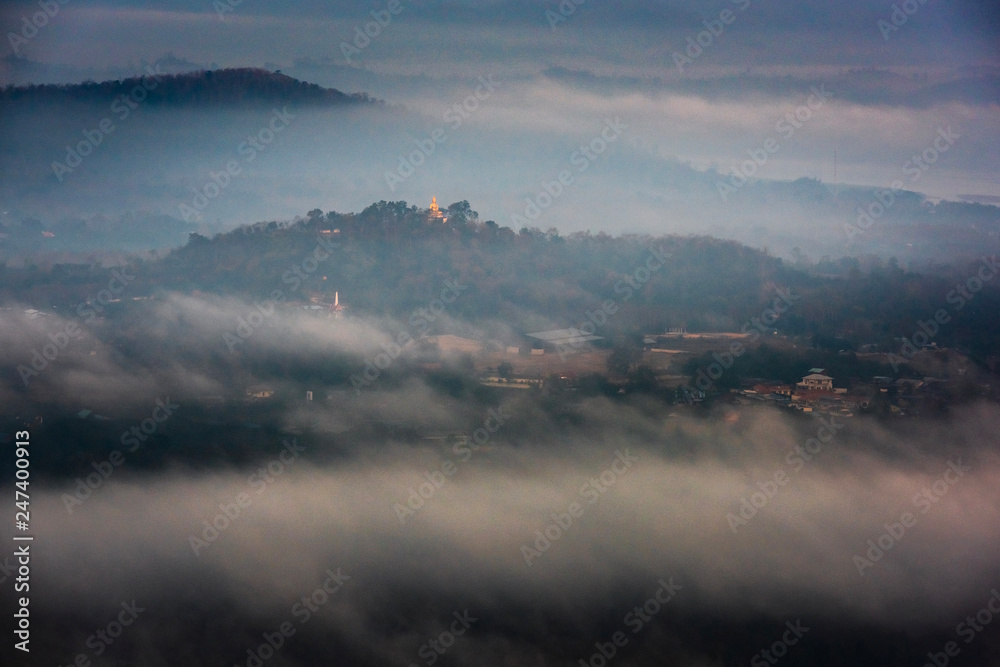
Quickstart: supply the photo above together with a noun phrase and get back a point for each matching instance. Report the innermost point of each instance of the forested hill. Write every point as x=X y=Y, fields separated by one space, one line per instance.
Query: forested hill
x=241 y=88
x=391 y=259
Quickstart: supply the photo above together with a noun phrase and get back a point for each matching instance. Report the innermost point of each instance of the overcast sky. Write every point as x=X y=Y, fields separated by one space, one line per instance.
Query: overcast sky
x=895 y=79
x=439 y=38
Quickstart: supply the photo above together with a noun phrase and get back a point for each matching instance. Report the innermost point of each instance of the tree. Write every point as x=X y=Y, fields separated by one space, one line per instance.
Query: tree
x=504 y=369
x=461 y=213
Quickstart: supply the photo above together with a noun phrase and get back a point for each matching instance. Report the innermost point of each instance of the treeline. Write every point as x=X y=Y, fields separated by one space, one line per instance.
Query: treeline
x=240 y=87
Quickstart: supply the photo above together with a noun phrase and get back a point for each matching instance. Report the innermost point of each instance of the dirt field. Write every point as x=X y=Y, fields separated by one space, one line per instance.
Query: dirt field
x=587 y=360
x=666 y=361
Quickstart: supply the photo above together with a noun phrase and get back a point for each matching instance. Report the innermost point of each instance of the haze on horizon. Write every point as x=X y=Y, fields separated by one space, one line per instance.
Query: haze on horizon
x=302 y=363
x=886 y=95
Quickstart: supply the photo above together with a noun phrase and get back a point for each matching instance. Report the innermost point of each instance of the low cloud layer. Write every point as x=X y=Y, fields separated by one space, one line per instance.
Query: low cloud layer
x=667 y=513
x=546 y=524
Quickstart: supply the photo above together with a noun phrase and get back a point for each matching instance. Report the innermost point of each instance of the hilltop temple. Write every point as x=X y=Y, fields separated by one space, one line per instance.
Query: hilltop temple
x=435 y=213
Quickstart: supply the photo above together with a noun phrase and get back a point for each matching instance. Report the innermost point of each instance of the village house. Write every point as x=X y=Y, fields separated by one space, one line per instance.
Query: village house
x=816 y=381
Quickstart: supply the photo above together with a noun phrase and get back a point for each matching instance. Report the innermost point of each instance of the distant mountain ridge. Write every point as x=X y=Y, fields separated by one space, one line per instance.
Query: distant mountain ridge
x=242 y=87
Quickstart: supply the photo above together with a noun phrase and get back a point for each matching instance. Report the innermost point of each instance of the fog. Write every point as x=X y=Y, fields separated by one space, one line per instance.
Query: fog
x=665 y=517
x=230 y=472
x=663 y=165
x=684 y=130
x=754 y=516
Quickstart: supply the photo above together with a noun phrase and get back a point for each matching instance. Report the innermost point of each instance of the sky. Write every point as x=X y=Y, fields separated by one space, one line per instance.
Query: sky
x=894 y=80
x=692 y=99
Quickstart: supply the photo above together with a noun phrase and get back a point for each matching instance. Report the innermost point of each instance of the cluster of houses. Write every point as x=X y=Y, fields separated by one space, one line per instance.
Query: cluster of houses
x=816 y=393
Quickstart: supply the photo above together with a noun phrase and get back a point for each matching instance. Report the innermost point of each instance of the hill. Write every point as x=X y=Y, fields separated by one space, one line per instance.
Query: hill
x=239 y=87
x=391 y=259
